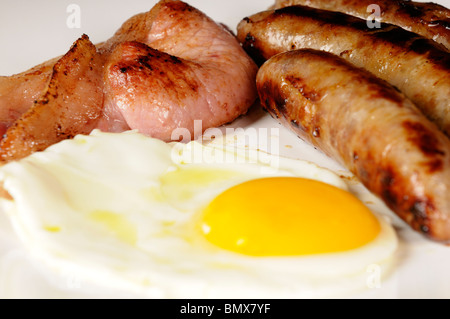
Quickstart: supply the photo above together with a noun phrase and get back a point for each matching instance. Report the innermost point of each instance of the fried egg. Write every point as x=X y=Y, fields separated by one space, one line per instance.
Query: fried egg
x=133 y=215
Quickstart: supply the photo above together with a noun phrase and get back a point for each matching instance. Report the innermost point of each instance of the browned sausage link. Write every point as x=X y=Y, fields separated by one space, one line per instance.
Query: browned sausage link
x=368 y=126
x=413 y=64
x=427 y=19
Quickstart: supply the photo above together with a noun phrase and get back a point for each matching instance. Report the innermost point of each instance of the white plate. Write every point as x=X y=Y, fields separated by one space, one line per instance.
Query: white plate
x=34 y=31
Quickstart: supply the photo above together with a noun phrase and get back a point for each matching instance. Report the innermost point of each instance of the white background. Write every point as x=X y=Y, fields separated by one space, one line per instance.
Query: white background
x=32 y=32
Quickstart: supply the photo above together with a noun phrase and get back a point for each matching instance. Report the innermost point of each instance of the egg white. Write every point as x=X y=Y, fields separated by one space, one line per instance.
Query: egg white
x=119 y=212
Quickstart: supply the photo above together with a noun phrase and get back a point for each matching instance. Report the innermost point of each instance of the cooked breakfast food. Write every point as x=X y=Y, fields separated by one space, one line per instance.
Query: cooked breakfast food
x=132 y=215
x=70 y=104
x=19 y=91
x=160 y=71
x=430 y=20
x=141 y=222
x=190 y=68
x=368 y=126
x=415 y=65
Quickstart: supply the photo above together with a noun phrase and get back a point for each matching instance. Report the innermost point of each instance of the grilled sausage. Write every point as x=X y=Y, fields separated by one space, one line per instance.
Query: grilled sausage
x=415 y=65
x=368 y=126
x=430 y=20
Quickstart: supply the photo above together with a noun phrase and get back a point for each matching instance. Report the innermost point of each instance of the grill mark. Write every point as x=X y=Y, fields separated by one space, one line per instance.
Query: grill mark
x=253 y=48
x=429 y=145
x=307 y=92
x=410 y=9
x=271 y=99
x=327 y=17
x=443 y=23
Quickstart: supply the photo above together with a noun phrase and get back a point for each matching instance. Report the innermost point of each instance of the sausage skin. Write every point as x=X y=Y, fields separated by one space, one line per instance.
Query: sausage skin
x=417 y=66
x=369 y=127
x=429 y=19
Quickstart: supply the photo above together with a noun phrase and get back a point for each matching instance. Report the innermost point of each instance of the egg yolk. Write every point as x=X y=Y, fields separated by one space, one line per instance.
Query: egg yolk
x=286 y=216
